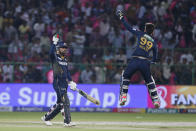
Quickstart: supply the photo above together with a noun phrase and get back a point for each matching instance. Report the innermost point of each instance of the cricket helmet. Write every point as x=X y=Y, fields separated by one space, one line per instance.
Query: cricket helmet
x=61 y=44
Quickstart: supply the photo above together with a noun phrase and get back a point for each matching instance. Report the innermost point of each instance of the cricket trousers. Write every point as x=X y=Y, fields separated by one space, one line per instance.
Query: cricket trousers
x=142 y=65
x=62 y=104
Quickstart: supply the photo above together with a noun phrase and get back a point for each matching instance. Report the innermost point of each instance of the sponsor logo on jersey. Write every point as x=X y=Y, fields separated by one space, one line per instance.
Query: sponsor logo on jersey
x=148 y=37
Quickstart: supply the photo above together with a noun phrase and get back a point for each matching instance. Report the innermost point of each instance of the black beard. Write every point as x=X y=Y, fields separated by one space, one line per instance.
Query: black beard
x=62 y=53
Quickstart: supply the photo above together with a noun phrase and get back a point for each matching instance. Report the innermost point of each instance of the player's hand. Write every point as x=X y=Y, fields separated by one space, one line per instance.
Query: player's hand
x=120 y=14
x=72 y=85
x=55 y=38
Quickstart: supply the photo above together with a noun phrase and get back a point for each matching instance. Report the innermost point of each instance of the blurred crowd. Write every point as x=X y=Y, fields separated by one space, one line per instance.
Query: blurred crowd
x=100 y=46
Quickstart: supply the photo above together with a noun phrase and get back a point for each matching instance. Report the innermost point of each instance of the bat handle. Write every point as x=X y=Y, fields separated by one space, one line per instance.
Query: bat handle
x=77 y=90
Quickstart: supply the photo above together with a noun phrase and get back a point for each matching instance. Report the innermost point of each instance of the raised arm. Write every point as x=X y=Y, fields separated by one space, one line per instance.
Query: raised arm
x=55 y=39
x=125 y=23
x=51 y=52
x=128 y=27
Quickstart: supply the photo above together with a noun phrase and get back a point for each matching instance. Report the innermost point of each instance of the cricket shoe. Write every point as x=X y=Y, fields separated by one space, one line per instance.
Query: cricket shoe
x=70 y=124
x=123 y=99
x=48 y=123
x=157 y=103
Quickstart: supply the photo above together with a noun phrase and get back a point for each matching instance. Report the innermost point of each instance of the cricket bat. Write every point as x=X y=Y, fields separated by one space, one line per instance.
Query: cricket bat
x=88 y=97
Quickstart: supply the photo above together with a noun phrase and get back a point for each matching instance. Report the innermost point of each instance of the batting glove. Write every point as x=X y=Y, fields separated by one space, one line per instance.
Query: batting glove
x=72 y=85
x=120 y=14
x=55 y=38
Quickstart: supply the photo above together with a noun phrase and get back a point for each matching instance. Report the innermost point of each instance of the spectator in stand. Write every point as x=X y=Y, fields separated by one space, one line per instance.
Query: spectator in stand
x=104 y=28
x=167 y=69
x=24 y=28
x=36 y=47
x=186 y=58
x=39 y=28
x=173 y=78
x=157 y=73
x=86 y=75
x=120 y=57
x=10 y=32
x=118 y=75
x=185 y=77
x=78 y=45
x=8 y=71
x=100 y=74
x=18 y=75
x=44 y=42
x=117 y=41
x=13 y=50
x=108 y=59
x=167 y=36
x=86 y=10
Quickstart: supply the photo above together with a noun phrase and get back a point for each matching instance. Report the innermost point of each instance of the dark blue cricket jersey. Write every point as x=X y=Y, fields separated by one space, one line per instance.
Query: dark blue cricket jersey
x=145 y=43
x=60 y=66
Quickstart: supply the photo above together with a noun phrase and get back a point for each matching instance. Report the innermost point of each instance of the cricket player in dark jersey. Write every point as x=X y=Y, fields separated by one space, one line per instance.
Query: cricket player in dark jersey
x=140 y=61
x=61 y=81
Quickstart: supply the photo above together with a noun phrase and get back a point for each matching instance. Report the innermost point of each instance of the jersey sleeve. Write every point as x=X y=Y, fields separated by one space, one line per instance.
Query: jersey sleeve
x=155 y=53
x=129 y=28
x=52 y=52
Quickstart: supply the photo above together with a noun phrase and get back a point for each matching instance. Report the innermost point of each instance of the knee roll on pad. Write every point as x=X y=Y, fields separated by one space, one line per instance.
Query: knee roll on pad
x=124 y=79
x=124 y=89
x=55 y=107
x=53 y=111
x=152 y=91
x=60 y=106
x=125 y=82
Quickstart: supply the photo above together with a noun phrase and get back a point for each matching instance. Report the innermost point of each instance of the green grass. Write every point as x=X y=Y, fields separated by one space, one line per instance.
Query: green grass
x=20 y=121
x=85 y=116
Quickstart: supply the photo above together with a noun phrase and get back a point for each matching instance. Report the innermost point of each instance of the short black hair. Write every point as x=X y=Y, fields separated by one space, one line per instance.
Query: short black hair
x=149 y=28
